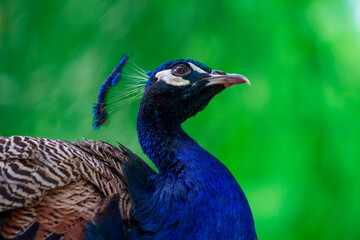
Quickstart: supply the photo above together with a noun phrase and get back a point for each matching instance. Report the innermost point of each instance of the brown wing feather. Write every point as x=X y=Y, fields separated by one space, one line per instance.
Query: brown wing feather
x=55 y=187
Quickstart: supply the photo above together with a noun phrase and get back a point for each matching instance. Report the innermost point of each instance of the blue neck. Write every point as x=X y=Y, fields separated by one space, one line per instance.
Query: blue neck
x=187 y=171
x=167 y=145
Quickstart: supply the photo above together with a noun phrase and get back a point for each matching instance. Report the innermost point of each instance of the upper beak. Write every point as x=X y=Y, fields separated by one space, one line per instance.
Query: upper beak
x=228 y=80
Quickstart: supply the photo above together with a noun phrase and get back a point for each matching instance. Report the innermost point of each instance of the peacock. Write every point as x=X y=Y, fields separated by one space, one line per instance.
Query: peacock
x=53 y=189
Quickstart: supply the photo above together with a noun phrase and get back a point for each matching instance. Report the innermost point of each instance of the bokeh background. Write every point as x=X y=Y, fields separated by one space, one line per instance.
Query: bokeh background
x=291 y=139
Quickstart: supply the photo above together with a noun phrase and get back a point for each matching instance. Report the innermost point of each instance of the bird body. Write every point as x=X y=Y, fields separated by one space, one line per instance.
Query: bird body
x=198 y=192
x=192 y=196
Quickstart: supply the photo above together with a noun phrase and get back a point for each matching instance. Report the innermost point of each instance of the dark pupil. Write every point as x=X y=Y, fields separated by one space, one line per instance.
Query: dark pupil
x=180 y=70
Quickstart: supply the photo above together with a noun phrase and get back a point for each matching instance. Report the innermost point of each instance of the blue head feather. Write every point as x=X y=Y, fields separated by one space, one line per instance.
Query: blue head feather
x=99 y=111
x=100 y=114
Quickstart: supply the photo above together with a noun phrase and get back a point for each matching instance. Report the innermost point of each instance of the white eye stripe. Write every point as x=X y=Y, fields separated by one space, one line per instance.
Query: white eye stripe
x=196 y=68
x=167 y=77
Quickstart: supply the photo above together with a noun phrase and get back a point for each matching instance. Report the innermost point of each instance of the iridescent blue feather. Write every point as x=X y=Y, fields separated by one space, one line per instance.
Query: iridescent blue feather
x=100 y=113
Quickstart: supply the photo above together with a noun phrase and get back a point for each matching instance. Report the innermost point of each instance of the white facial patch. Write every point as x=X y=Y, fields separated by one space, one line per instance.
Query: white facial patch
x=167 y=77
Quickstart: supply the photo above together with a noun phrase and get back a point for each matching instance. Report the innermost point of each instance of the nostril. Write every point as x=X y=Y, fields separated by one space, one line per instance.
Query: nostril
x=217 y=72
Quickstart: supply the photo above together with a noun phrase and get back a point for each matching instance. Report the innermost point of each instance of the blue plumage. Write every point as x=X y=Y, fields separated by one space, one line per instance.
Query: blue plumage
x=193 y=196
x=100 y=114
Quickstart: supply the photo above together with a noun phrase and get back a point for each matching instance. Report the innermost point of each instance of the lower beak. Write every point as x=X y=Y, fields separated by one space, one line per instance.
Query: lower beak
x=228 y=80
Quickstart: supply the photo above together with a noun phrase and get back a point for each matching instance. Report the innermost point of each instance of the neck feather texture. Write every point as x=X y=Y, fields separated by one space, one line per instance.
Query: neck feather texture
x=166 y=143
x=190 y=181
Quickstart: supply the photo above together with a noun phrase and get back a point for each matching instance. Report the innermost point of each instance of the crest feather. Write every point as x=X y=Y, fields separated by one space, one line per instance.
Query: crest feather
x=111 y=99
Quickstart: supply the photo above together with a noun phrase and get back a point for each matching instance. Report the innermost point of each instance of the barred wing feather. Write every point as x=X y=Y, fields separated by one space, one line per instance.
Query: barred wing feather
x=52 y=188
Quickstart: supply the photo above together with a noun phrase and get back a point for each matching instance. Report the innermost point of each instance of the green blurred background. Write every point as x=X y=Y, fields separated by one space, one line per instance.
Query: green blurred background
x=291 y=139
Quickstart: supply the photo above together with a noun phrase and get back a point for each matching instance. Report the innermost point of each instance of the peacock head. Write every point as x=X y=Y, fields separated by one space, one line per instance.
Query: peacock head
x=181 y=88
x=175 y=91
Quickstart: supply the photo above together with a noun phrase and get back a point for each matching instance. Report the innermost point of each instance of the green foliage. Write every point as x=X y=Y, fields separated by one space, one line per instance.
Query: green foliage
x=291 y=140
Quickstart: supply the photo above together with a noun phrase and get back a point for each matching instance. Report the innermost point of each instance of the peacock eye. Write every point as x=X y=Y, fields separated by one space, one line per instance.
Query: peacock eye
x=180 y=70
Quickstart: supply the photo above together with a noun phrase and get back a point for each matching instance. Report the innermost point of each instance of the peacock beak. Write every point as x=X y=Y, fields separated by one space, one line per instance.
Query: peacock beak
x=228 y=80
